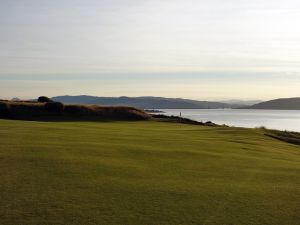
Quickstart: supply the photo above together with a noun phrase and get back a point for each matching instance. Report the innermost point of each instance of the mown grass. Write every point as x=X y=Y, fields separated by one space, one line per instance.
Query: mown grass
x=145 y=173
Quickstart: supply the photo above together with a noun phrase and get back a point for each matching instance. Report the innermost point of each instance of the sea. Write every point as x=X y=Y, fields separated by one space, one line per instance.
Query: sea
x=273 y=119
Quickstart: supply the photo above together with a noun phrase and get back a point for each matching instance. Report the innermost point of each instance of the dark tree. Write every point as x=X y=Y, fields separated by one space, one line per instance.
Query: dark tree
x=44 y=99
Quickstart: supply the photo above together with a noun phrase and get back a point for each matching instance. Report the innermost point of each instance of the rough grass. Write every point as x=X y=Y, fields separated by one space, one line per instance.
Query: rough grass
x=287 y=136
x=145 y=173
x=54 y=111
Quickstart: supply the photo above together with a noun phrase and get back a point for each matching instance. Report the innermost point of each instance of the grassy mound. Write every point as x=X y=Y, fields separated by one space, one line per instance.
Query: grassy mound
x=287 y=136
x=57 y=111
x=145 y=173
x=178 y=119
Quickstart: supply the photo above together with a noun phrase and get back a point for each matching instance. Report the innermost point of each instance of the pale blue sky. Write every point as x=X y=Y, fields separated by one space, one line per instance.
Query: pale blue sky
x=201 y=49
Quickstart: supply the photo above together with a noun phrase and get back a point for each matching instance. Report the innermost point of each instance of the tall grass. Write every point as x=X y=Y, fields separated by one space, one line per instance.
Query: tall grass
x=58 y=111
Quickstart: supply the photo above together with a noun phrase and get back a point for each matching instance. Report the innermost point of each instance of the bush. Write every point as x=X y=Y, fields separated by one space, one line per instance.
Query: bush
x=44 y=99
x=25 y=110
x=4 y=110
x=54 y=107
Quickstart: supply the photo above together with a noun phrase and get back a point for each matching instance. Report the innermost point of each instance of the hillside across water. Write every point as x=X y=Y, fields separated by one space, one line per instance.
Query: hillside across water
x=145 y=102
x=282 y=103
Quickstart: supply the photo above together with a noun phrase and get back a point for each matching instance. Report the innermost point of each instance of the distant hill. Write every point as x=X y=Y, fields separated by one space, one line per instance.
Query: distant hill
x=145 y=102
x=242 y=102
x=282 y=103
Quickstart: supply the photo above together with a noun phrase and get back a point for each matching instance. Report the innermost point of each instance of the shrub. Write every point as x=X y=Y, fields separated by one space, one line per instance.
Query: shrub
x=54 y=107
x=24 y=110
x=4 y=110
x=44 y=99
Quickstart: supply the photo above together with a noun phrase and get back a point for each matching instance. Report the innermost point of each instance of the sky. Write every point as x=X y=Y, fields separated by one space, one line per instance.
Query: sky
x=199 y=49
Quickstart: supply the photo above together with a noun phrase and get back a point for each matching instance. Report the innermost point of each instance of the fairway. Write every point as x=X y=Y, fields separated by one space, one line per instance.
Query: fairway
x=145 y=173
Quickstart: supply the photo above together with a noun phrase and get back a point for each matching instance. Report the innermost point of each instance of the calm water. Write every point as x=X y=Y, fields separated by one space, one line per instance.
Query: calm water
x=275 y=119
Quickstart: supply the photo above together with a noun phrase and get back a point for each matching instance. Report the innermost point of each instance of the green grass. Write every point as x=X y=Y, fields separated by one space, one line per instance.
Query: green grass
x=145 y=173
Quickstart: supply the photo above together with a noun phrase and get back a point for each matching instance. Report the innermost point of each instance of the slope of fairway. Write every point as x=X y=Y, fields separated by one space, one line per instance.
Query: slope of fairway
x=145 y=173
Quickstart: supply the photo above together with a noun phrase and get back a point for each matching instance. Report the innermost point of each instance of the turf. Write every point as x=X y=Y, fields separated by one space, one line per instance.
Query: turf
x=150 y=173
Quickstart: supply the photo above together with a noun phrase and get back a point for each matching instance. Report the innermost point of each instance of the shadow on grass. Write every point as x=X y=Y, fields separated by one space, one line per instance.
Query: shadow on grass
x=178 y=119
x=286 y=136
